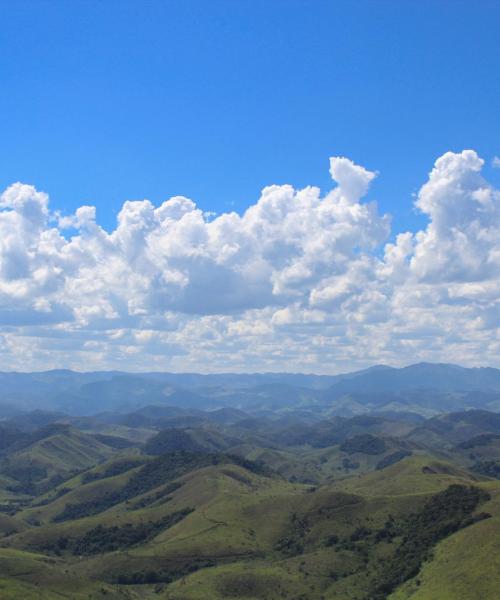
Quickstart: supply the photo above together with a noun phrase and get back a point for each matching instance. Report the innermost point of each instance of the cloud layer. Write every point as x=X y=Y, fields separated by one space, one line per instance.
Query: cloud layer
x=300 y=281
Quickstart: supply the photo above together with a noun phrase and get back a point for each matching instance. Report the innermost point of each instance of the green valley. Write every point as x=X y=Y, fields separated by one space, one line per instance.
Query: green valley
x=189 y=504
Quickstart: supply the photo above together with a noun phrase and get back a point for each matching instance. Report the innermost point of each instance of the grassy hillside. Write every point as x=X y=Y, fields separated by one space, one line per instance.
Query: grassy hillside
x=345 y=509
x=50 y=457
x=29 y=576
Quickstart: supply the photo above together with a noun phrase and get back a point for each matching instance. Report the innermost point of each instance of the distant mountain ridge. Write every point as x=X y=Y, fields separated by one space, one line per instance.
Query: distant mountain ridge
x=436 y=376
x=422 y=388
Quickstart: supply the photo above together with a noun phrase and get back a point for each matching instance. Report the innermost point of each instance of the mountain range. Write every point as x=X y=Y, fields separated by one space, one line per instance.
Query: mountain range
x=423 y=388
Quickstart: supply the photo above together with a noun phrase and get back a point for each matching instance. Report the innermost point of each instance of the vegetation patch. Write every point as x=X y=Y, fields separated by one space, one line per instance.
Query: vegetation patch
x=116 y=468
x=292 y=544
x=392 y=459
x=160 y=497
x=490 y=468
x=114 y=441
x=365 y=443
x=172 y=440
x=161 y=470
x=102 y=539
x=444 y=514
x=162 y=575
x=483 y=439
x=246 y=585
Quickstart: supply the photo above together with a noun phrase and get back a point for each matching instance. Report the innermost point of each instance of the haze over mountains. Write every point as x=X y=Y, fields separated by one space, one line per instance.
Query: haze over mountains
x=424 y=389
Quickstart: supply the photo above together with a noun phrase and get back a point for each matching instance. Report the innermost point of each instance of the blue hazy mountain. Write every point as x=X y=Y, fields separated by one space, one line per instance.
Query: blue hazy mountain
x=422 y=388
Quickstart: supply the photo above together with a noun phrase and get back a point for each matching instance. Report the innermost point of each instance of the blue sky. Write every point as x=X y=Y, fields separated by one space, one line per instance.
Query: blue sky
x=107 y=101
x=107 y=104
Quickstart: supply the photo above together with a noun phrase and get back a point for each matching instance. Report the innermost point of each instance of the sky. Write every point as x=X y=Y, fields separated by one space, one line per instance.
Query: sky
x=248 y=185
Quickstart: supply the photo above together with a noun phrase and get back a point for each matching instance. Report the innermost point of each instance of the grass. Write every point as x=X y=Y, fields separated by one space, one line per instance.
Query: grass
x=465 y=566
x=417 y=474
x=252 y=536
x=242 y=580
x=30 y=576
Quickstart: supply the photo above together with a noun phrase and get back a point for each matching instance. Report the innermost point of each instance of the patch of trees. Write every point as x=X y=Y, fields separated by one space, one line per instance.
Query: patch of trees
x=254 y=466
x=355 y=542
x=108 y=539
x=360 y=533
x=485 y=420
x=8 y=437
x=248 y=584
x=365 y=443
x=172 y=440
x=116 y=468
x=483 y=439
x=413 y=537
x=102 y=539
x=144 y=577
x=88 y=508
x=45 y=486
x=349 y=465
x=13 y=439
x=153 y=474
x=388 y=532
x=31 y=478
x=161 y=470
x=166 y=468
x=444 y=514
x=490 y=468
x=392 y=459
x=332 y=540
x=26 y=476
x=28 y=439
x=292 y=544
x=11 y=508
x=160 y=497
x=60 y=492
x=114 y=441
x=240 y=478
x=151 y=576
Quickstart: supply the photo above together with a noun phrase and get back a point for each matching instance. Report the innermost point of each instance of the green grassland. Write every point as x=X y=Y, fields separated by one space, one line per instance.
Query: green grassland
x=223 y=520
x=465 y=566
x=47 y=461
x=29 y=576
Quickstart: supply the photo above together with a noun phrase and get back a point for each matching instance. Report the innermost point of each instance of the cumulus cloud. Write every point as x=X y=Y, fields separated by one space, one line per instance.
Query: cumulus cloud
x=301 y=280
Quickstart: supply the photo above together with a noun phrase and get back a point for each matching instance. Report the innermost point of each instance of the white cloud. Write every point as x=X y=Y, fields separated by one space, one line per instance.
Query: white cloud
x=300 y=281
x=495 y=162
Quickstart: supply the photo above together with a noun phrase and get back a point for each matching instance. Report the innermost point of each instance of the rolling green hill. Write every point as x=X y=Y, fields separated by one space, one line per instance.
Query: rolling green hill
x=46 y=457
x=363 y=508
